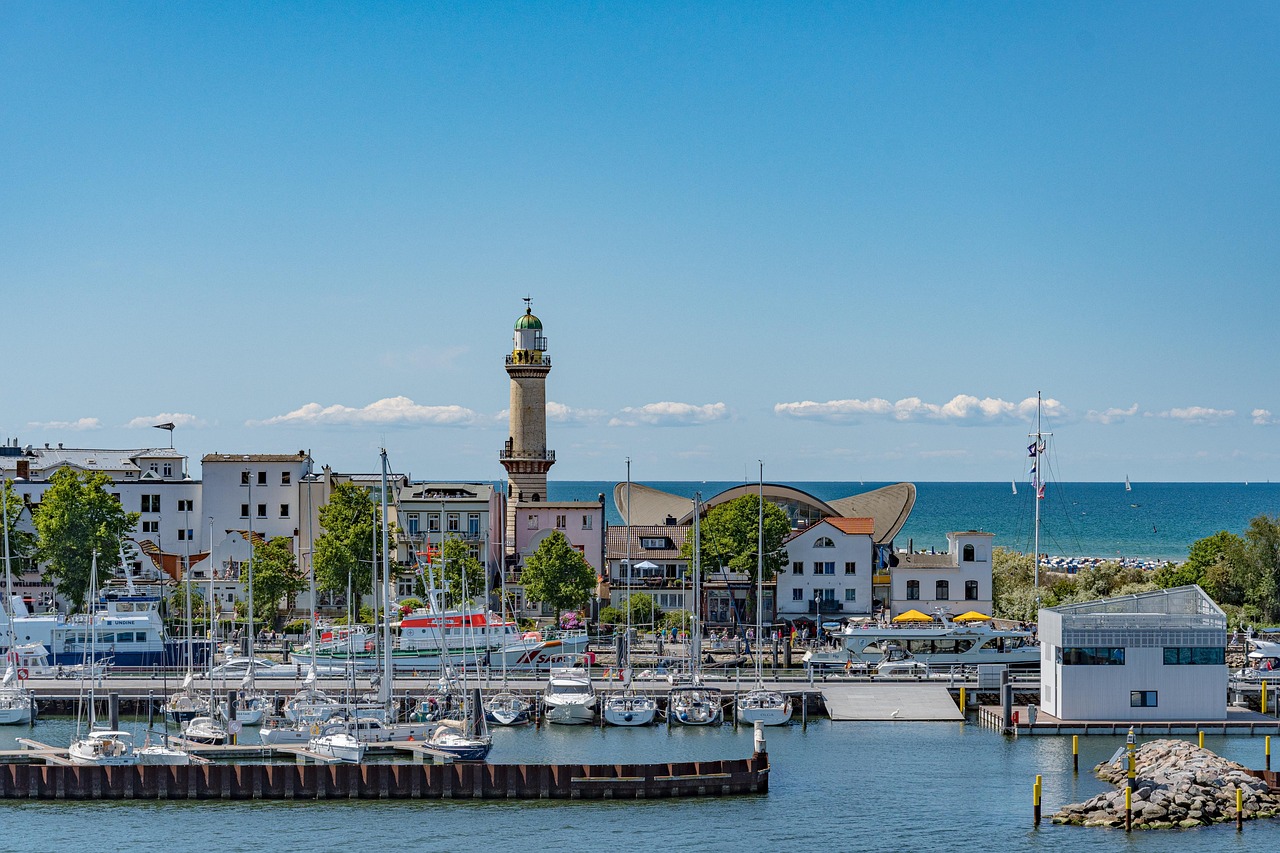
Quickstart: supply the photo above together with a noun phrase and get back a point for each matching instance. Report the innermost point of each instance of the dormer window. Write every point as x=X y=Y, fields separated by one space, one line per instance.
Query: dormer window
x=655 y=543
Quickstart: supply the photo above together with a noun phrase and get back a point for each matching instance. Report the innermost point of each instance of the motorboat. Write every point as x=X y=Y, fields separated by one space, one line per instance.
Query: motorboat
x=629 y=708
x=569 y=698
x=338 y=746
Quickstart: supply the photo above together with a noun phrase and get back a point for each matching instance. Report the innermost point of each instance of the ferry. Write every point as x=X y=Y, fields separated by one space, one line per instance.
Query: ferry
x=422 y=638
x=126 y=620
x=941 y=644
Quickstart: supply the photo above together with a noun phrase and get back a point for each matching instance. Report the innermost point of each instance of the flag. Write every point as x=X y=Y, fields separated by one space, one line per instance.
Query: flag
x=169 y=427
x=1031 y=449
x=1040 y=492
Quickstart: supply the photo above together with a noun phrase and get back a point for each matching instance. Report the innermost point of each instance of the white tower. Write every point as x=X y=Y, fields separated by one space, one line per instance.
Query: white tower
x=525 y=455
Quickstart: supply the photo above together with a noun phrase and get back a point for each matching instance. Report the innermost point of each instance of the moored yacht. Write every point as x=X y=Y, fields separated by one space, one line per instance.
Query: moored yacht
x=569 y=697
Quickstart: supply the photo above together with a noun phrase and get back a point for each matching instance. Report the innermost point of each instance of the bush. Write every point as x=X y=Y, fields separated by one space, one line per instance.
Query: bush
x=296 y=626
x=680 y=620
x=612 y=616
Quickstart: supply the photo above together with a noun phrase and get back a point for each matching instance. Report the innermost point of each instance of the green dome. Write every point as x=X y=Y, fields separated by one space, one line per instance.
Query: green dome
x=528 y=321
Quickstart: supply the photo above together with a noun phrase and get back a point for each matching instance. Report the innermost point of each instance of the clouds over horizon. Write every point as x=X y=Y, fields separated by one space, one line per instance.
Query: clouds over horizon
x=178 y=419
x=670 y=413
x=76 y=426
x=1195 y=415
x=389 y=411
x=960 y=409
x=1111 y=416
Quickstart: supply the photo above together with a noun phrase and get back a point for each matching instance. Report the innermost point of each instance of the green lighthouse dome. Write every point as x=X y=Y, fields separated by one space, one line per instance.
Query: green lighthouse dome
x=528 y=321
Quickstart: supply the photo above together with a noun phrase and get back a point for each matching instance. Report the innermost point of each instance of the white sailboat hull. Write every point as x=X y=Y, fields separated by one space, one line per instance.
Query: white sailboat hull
x=765 y=707
x=629 y=710
x=339 y=747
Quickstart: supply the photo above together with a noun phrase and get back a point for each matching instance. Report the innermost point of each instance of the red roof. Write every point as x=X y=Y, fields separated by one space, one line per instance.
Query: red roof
x=852 y=526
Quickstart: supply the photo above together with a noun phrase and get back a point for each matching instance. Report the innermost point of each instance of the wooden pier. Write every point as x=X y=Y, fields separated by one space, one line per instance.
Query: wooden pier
x=401 y=781
x=1239 y=721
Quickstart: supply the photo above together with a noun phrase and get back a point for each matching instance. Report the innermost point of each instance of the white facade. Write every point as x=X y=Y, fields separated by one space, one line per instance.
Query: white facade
x=830 y=562
x=1157 y=656
x=951 y=583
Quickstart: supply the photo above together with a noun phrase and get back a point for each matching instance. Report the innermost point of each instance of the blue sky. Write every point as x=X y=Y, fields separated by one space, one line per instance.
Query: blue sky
x=849 y=239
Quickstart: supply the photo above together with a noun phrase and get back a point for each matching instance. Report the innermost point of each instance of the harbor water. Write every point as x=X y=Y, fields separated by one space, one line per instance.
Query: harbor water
x=835 y=786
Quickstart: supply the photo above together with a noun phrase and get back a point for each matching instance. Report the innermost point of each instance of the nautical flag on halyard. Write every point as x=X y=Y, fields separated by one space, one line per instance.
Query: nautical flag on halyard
x=1031 y=450
x=1040 y=492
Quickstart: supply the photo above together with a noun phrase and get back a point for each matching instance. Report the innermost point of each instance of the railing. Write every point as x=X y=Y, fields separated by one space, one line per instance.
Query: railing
x=506 y=454
x=537 y=358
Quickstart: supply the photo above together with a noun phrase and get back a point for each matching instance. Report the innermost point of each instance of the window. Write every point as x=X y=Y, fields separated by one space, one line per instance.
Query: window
x=655 y=543
x=433 y=522
x=850 y=595
x=968 y=554
x=187 y=535
x=262 y=510
x=186 y=506
x=827 y=594
x=797 y=568
x=150 y=503
x=284 y=478
x=824 y=542
x=244 y=478
x=913 y=590
x=850 y=568
x=1091 y=656
x=1195 y=656
x=586 y=522
x=824 y=568
x=533 y=522
x=454 y=521
x=970 y=590
x=262 y=478
x=942 y=590
x=150 y=527
x=284 y=510
x=244 y=510
x=1144 y=699
x=168 y=469
x=562 y=522
x=411 y=523
x=473 y=524
x=797 y=594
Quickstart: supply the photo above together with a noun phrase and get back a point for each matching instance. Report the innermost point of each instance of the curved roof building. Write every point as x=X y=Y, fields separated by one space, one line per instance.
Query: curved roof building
x=889 y=506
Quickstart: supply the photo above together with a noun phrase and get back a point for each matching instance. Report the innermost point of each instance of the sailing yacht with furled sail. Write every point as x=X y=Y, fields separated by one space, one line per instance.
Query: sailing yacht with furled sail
x=696 y=704
x=17 y=703
x=628 y=707
x=761 y=705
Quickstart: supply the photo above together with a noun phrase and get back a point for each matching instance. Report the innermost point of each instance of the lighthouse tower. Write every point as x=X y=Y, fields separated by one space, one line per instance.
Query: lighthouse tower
x=525 y=455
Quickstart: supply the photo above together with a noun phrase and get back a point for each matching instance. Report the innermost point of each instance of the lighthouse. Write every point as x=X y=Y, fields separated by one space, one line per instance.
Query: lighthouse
x=525 y=454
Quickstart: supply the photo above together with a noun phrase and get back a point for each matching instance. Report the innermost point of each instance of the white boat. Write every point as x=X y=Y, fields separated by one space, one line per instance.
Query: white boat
x=508 y=709
x=569 y=697
x=338 y=746
x=250 y=708
x=940 y=644
x=17 y=703
x=1128 y=487
x=695 y=704
x=186 y=703
x=310 y=704
x=205 y=730
x=629 y=708
x=761 y=705
x=105 y=748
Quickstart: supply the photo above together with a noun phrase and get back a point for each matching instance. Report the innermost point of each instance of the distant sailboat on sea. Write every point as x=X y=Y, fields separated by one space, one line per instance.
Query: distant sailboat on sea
x=1128 y=487
x=1014 y=483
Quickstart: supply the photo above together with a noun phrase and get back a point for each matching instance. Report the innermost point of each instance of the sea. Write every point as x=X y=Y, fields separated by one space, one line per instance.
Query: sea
x=834 y=786
x=1152 y=521
x=893 y=786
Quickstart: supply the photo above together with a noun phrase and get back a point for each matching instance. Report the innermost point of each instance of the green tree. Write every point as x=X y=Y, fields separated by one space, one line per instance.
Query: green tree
x=275 y=576
x=1202 y=557
x=644 y=610
x=556 y=574
x=77 y=518
x=22 y=543
x=344 y=552
x=1260 y=564
x=681 y=620
x=610 y=615
x=730 y=535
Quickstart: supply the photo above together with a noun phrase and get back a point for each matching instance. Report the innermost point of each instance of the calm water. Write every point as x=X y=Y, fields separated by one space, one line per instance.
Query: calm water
x=1077 y=519
x=841 y=786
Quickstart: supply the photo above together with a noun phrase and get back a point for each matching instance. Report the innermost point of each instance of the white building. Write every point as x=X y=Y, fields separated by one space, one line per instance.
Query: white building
x=581 y=522
x=830 y=570
x=426 y=514
x=951 y=583
x=655 y=569
x=1152 y=656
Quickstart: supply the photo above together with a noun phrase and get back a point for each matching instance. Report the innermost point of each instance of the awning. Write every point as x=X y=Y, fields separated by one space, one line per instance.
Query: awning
x=972 y=616
x=912 y=616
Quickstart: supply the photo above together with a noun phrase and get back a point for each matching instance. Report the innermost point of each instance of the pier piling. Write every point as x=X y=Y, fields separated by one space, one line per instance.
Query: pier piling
x=1075 y=753
x=113 y=710
x=1239 y=809
x=1035 y=801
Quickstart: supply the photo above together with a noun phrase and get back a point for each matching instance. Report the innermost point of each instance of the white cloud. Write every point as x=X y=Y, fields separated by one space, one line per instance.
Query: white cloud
x=1111 y=416
x=1263 y=417
x=670 y=414
x=1198 y=415
x=176 y=418
x=560 y=413
x=77 y=426
x=389 y=411
x=963 y=408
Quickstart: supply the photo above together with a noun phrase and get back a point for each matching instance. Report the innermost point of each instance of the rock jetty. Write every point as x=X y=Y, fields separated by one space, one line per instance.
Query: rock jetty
x=1178 y=785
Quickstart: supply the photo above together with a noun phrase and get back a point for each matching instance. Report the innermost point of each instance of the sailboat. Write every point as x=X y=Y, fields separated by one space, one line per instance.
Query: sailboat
x=695 y=704
x=1128 y=487
x=1014 y=483
x=17 y=703
x=760 y=705
x=103 y=746
x=506 y=708
x=628 y=707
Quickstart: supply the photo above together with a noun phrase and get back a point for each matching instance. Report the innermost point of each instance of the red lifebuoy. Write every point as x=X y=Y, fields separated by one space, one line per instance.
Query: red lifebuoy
x=22 y=673
x=368 y=646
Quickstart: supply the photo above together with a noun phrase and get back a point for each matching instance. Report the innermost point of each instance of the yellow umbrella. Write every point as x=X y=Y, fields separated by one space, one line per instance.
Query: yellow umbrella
x=912 y=616
x=972 y=616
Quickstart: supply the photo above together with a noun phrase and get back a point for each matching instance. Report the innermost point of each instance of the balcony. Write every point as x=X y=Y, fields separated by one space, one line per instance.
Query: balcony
x=530 y=358
x=508 y=454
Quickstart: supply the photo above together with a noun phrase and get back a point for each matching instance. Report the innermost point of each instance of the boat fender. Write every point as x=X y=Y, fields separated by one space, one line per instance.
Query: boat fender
x=22 y=673
x=315 y=728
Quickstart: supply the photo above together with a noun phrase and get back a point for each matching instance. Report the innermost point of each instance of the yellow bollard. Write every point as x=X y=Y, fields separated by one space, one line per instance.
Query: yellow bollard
x=1239 y=809
x=963 y=707
x=1202 y=740
x=1075 y=753
x=1264 y=696
x=1035 y=801
x=1268 y=750
x=1128 y=810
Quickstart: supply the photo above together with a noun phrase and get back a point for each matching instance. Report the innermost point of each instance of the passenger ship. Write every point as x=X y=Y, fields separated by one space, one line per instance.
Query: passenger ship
x=129 y=630
x=942 y=644
x=470 y=637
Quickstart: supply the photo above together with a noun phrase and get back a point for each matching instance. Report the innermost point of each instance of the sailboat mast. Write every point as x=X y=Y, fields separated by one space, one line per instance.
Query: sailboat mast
x=760 y=580
x=626 y=640
x=696 y=623
x=386 y=595
x=1036 y=487
x=311 y=560
x=8 y=575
